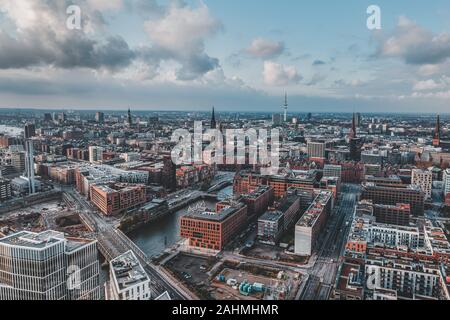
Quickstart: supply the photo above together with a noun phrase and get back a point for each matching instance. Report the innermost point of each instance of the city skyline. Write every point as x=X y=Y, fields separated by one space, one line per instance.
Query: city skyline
x=191 y=55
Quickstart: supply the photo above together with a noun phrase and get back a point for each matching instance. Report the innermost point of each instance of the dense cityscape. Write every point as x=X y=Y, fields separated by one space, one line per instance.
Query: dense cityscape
x=94 y=207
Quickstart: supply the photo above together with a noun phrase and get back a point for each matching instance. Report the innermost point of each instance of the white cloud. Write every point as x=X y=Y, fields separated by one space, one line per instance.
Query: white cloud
x=276 y=74
x=265 y=49
x=415 y=45
x=426 y=85
x=180 y=35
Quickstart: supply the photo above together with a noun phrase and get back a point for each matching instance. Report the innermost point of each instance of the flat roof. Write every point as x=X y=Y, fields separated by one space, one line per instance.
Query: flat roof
x=314 y=211
x=127 y=271
x=216 y=216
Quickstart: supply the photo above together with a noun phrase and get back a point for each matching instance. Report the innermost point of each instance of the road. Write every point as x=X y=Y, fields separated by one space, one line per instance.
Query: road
x=322 y=274
x=114 y=242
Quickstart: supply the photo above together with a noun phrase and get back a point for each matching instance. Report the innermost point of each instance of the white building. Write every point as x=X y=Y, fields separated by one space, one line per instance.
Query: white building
x=48 y=266
x=446 y=179
x=95 y=154
x=128 y=279
x=423 y=179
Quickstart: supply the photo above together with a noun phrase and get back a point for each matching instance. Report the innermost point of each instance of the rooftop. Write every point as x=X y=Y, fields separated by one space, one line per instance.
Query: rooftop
x=127 y=271
x=314 y=211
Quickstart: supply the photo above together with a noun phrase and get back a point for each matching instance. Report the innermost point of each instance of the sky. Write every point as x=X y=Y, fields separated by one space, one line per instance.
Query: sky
x=234 y=55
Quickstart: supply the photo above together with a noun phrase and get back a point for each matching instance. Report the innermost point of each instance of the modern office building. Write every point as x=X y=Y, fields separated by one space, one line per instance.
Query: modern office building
x=48 y=266
x=423 y=179
x=213 y=230
x=308 y=228
x=128 y=279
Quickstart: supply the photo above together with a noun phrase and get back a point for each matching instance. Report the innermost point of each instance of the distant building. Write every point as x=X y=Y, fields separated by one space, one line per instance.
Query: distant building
x=18 y=161
x=330 y=170
x=277 y=119
x=128 y=279
x=397 y=215
x=29 y=130
x=446 y=180
x=316 y=150
x=95 y=154
x=5 y=189
x=48 y=266
x=100 y=117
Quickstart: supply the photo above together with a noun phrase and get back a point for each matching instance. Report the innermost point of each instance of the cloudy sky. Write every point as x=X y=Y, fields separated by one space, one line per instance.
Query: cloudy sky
x=236 y=55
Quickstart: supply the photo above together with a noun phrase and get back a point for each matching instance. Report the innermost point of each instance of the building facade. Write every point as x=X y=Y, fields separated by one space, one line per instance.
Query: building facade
x=48 y=266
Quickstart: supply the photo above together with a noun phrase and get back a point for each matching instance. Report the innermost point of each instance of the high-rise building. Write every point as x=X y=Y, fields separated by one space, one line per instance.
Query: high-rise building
x=100 y=117
x=48 y=266
x=29 y=130
x=423 y=179
x=95 y=154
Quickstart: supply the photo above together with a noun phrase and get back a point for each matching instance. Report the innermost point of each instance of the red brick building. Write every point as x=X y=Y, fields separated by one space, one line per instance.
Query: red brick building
x=116 y=198
x=213 y=230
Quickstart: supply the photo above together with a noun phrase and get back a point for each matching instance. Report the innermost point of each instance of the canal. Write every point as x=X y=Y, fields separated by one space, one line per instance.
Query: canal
x=155 y=237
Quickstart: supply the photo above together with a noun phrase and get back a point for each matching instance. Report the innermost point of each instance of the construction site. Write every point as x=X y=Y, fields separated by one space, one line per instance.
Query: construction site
x=213 y=278
x=52 y=215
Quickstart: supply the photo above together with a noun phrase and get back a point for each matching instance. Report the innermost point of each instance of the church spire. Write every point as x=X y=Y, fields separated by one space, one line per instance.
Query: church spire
x=213 y=120
x=437 y=133
x=130 y=122
x=353 y=130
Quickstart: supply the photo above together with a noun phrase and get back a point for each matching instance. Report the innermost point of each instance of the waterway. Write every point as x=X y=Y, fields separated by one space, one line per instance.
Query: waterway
x=155 y=237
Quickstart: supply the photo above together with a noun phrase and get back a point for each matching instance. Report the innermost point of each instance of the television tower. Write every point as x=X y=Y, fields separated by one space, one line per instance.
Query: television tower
x=285 y=107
